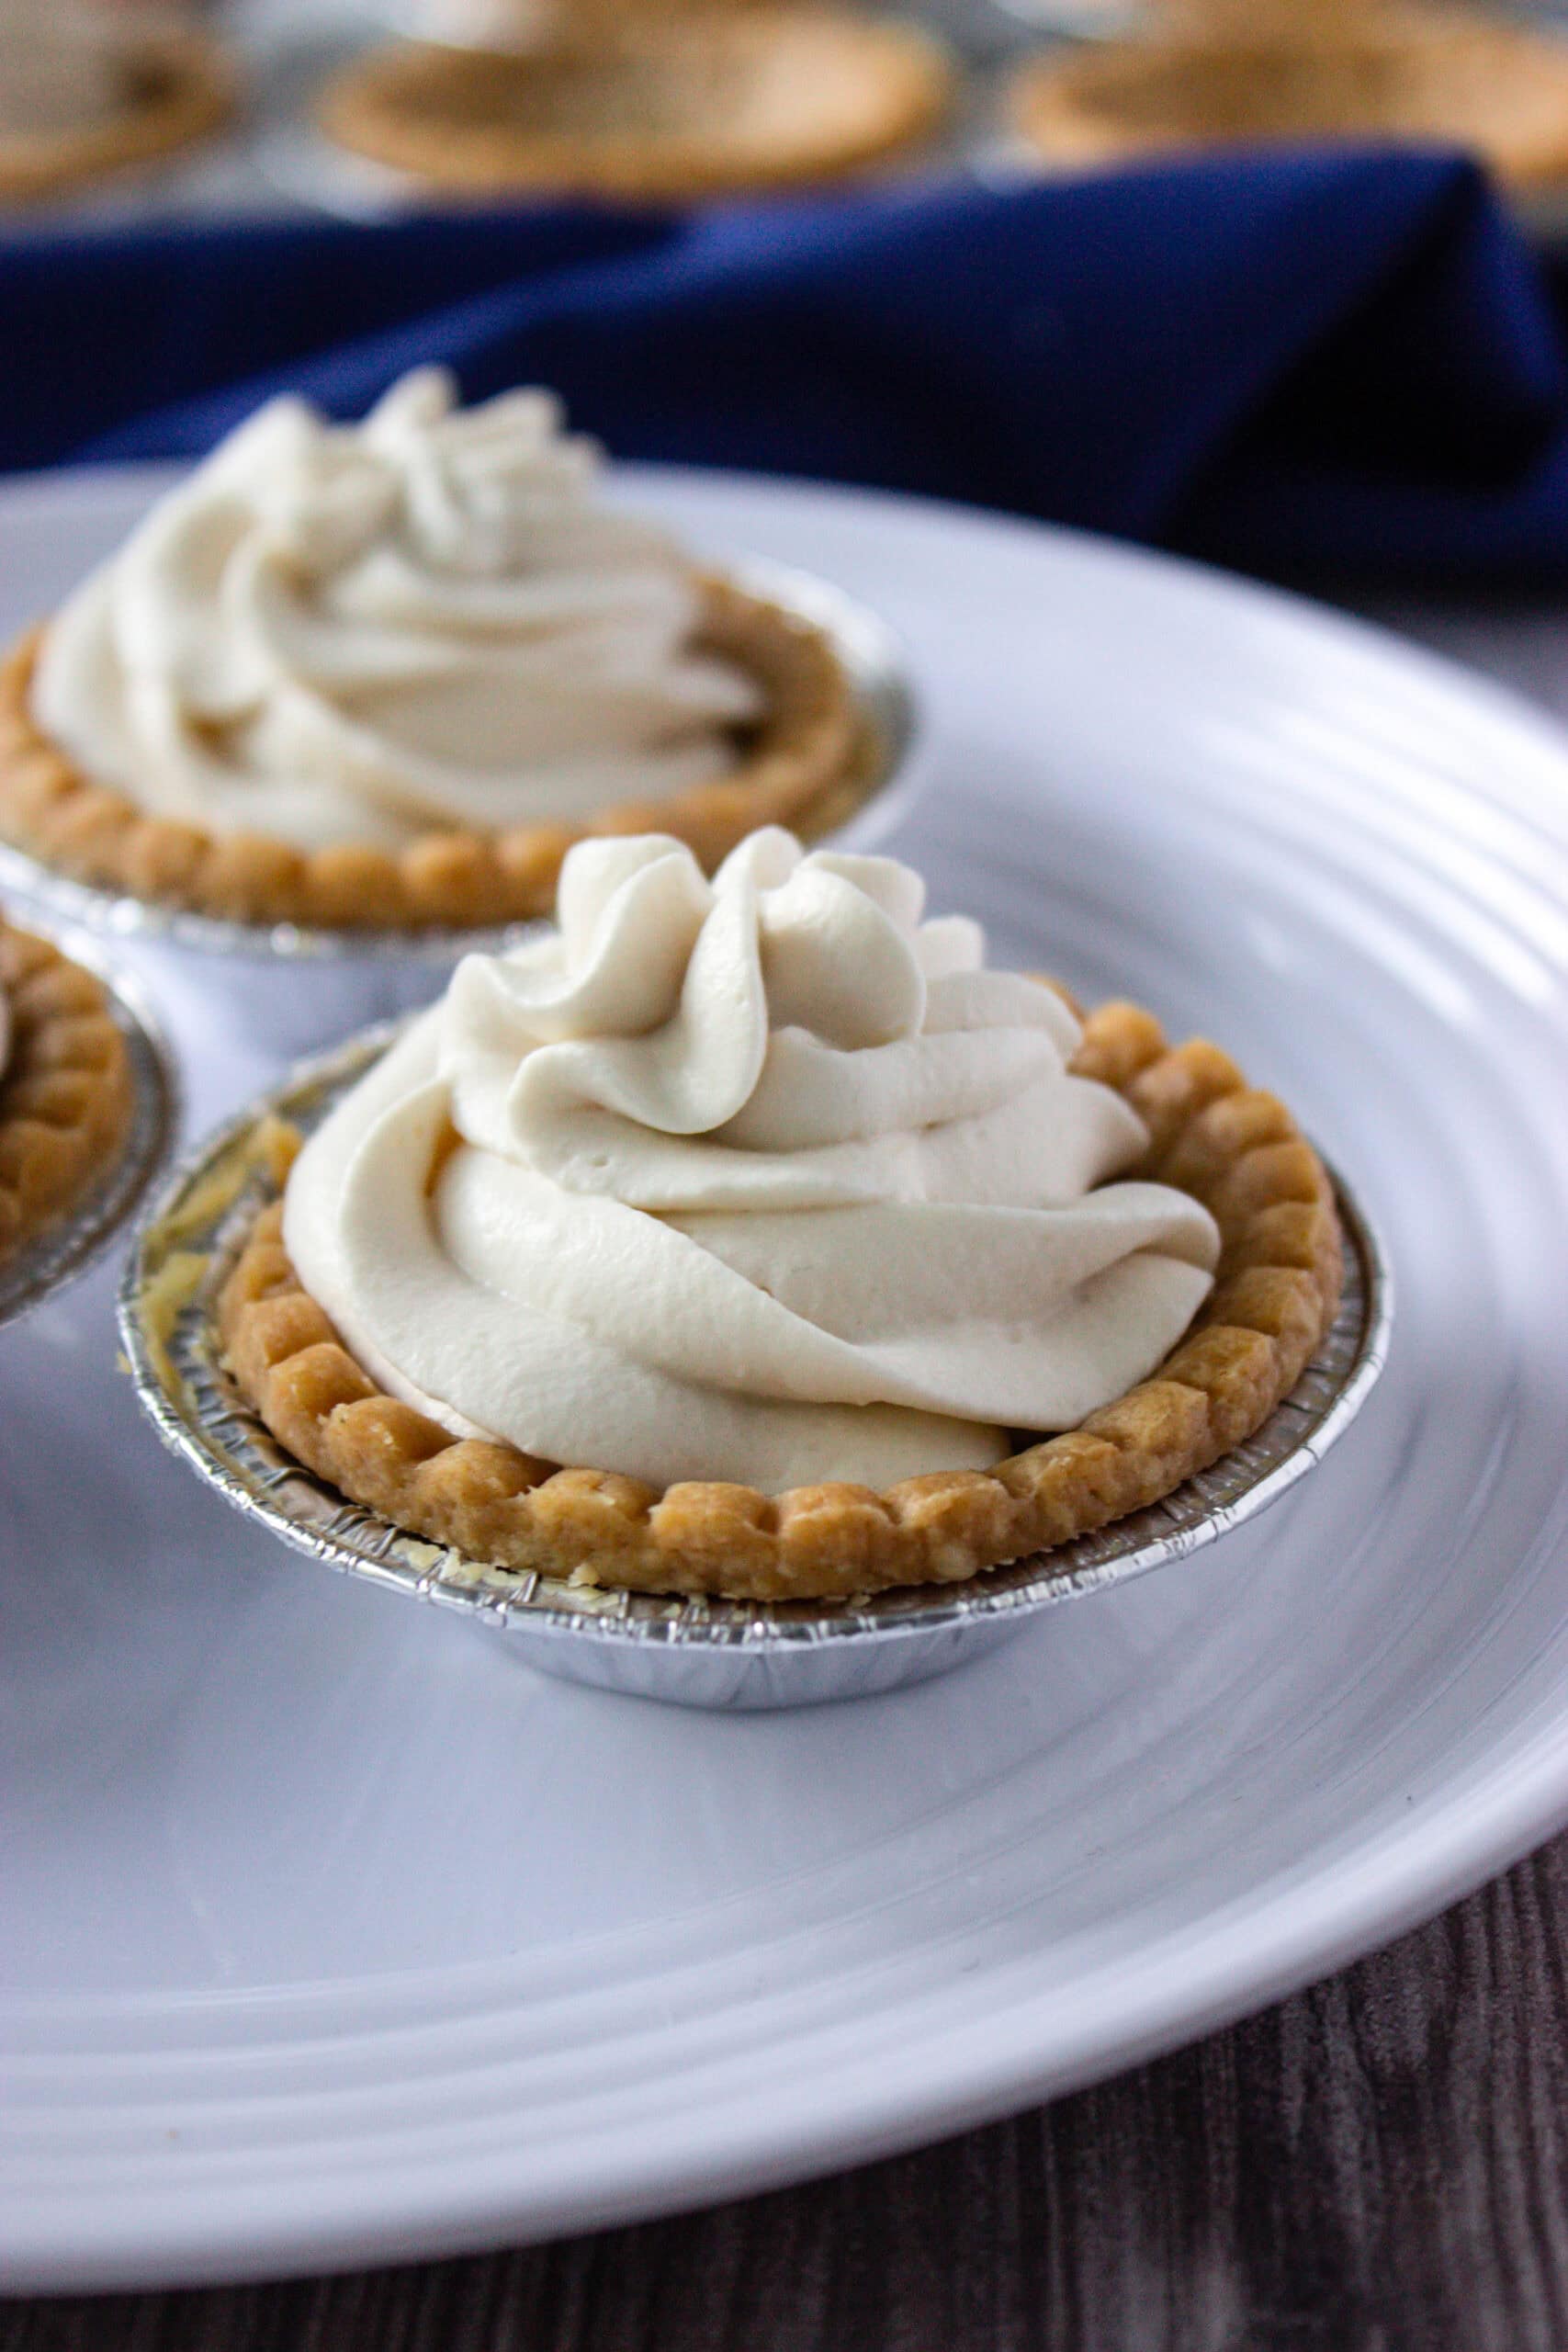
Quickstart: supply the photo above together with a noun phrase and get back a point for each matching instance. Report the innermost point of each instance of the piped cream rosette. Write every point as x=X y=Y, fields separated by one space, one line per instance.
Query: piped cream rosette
x=362 y=633
x=762 y=1179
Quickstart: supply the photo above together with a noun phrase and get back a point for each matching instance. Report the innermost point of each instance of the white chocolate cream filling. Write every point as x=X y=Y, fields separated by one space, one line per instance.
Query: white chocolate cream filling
x=762 y=1179
x=428 y=621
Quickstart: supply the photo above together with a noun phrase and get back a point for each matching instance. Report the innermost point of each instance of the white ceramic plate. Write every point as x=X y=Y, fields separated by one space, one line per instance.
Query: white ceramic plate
x=330 y=1932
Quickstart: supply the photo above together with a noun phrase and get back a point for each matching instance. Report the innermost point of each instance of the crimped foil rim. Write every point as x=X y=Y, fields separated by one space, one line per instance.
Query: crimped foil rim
x=40 y=1267
x=201 y=1416
x=884 y=698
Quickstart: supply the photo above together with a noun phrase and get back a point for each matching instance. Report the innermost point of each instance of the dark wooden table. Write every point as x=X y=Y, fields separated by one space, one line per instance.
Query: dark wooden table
x=1380 y=2165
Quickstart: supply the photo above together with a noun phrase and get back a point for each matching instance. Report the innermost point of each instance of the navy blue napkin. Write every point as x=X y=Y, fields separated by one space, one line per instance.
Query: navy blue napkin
x=1289 y=362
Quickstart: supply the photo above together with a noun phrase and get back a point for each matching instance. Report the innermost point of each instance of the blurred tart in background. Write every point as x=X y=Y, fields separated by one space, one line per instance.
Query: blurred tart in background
x=501 y=25
x=661 y=105
x=1216 y=73
x=87 y=89
x=385 y=675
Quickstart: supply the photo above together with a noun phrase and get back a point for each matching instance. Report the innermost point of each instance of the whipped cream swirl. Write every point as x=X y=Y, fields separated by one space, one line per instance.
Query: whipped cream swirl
x=367 y=633
x=763 y=1179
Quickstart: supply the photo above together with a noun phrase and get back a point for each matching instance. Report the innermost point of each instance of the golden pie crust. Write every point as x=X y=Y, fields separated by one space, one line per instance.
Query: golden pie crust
x=178 y=88
x=662 y=109
x=1496 y=88
x=66 y=1090
x=797 y=769
x=1238 y=1150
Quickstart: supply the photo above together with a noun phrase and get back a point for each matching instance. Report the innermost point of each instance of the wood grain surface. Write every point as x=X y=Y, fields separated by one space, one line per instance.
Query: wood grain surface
x=1380 y=2165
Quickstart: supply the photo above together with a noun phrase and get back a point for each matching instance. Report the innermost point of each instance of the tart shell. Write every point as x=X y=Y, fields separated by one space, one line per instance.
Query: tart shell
x=1231 y=1146
x=1499 y=89
x=181 y=88
x=801 y=761
x=65 y=1091
x=763 y=99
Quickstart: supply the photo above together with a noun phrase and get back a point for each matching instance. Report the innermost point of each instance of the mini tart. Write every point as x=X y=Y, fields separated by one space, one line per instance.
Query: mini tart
x=1494 y=87
x=1278 y=1285
x=662 y=109
x=178 y=88
x=798 y=769
x=65 y=1090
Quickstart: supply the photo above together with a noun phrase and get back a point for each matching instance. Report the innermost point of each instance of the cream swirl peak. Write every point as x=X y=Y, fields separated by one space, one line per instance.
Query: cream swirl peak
x=366 y=633
x=762 y=1179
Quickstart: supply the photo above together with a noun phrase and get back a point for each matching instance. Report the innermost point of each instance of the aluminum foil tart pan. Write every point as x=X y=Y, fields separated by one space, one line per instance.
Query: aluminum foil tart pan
x=702 y=1653
x=61 y=1252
